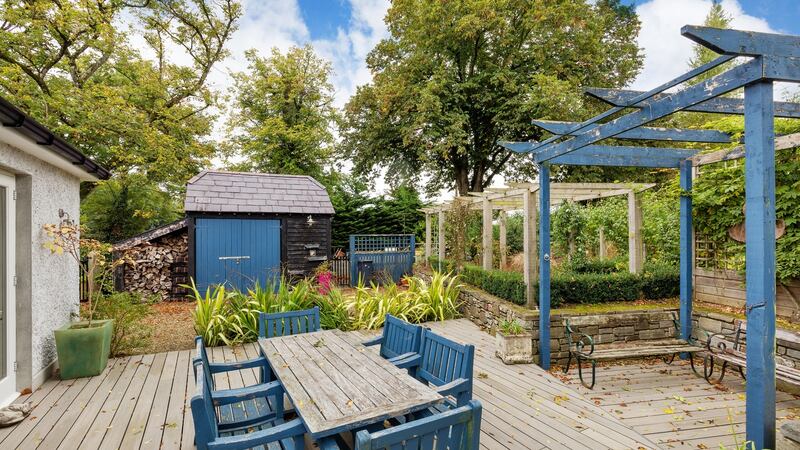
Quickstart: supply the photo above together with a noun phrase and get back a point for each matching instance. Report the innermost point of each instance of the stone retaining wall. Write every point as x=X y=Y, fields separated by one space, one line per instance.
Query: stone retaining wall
x=489 y=311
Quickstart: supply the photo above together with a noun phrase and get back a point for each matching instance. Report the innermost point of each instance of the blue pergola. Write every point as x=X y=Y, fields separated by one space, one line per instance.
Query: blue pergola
x=770 y=57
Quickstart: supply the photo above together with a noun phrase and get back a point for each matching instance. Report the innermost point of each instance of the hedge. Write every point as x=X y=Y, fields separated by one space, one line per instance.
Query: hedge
x=657 y=282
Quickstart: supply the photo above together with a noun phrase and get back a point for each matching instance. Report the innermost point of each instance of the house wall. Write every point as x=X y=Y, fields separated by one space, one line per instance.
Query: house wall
x=47 y=285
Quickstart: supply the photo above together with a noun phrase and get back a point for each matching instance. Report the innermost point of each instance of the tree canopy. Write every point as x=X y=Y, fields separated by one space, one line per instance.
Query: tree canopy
x=455 y=77
x=133 y=108
x=284 y=116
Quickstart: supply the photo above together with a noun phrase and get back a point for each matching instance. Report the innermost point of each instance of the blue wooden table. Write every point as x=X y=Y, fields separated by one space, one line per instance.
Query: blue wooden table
x=336 y=384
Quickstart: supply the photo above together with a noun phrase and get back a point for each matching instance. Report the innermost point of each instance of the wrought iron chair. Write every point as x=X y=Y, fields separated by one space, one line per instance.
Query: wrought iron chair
x=453 y=429
x=399 y=341
x=445 y=364
x=239 y=428
x=288 y=323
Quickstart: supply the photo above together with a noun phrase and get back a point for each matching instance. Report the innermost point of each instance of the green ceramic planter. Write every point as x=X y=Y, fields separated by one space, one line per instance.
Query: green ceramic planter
x=83 y=351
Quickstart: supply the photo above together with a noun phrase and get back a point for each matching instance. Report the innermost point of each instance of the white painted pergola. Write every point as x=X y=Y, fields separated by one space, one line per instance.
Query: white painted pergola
x=524 y=197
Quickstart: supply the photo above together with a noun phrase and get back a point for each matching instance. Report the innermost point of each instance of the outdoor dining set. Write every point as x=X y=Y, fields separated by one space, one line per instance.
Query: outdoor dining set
x=325 y=388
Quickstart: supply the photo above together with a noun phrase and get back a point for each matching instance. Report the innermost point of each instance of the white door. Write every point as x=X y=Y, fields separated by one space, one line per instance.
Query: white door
x=8 y=325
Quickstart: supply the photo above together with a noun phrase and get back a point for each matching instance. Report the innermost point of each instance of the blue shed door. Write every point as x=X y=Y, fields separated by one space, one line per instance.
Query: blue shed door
x=239 y=252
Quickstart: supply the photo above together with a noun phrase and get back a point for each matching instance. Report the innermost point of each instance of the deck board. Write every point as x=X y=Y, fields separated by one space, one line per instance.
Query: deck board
x=141 y=402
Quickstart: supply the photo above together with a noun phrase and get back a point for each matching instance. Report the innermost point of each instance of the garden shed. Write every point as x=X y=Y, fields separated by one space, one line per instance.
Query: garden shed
x=247 y=228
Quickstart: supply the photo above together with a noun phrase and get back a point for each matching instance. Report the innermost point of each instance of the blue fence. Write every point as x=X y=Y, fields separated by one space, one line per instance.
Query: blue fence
x=380 y=257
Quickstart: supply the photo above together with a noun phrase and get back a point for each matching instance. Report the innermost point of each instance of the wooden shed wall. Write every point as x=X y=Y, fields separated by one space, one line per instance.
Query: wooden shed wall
x=727 y=288
x=299 y=234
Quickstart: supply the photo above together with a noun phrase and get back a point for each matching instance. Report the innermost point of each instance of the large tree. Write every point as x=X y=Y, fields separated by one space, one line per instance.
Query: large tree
x=134 y=108
x=284 y=115
x=455 y=77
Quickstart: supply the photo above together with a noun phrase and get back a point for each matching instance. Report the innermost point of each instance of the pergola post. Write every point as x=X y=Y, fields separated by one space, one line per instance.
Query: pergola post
x=760 y=262
x=544 y=266
x=635 y=244
x=487 y=234
x=602 y=239
x=503 y=239
x=428 y=238
x=686 y=250
x=530 y=261
x=440 y=238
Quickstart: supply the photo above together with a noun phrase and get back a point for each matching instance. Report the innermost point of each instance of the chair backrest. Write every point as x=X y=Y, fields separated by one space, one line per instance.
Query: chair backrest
x=399 y=337
x=203 y=414
x=444 y=360
x=288 y=323
x=454 y=429
x=201 y=357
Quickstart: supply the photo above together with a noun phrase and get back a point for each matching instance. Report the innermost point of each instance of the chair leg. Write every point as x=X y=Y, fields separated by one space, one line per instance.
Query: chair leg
x=708 y=367
x=580 y=371
x=741 y=372
x=569 y=361
x=691 y=363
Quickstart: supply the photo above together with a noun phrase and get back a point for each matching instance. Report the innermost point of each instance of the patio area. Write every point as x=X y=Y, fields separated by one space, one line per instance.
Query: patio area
x=142 y=402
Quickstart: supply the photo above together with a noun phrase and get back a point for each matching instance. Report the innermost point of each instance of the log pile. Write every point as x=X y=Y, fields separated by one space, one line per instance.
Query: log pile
x=160 y=267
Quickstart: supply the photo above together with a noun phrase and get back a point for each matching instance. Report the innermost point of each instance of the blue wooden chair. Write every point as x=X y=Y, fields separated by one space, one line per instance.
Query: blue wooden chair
x=288 y=323
x=453 y=429
x=445 y=364
x=252 y=428
x=399 y=341
x=264 y=404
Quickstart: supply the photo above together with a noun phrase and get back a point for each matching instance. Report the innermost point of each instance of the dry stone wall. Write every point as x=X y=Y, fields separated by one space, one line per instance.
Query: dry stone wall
x=489 y=311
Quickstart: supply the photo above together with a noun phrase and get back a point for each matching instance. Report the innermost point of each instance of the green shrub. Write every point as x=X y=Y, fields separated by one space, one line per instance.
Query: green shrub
x=594 y=288
x=595 y=265
x=127 y=310
x=660 y=280
x=333 y=311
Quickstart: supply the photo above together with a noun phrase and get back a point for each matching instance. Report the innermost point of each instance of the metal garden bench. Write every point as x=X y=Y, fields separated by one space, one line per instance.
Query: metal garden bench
x=227 y=420
x=718 y=351
x=288 y=323
x=445 y=364
x=453 y=429
x=399 y=341
x=584 y=348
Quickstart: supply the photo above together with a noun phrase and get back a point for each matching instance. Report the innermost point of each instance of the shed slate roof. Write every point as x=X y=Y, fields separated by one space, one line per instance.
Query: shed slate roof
x=244 y=192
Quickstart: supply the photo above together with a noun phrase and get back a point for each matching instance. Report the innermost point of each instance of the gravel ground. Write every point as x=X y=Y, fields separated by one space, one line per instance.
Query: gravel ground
x=173 y=327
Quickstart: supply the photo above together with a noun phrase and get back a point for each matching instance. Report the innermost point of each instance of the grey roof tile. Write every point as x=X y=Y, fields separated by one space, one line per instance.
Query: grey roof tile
x=217 y=191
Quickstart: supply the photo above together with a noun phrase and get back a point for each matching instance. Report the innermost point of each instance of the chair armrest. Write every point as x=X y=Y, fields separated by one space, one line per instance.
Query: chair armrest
x=582 y=342
x=237 y=365
x=411 y=361
x=722 y=344
x=374 y=341
x=242 y=441
x=401 y=357
x=453 y=388
x=228 y=396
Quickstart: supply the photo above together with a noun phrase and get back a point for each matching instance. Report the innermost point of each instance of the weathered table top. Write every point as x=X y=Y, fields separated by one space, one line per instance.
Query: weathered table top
x=336 y=384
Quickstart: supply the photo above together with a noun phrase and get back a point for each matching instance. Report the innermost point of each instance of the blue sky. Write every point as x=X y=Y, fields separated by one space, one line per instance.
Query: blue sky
x=782 y=15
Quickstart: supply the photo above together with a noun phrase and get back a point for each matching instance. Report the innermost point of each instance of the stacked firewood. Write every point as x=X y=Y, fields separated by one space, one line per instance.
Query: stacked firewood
x=158 y=265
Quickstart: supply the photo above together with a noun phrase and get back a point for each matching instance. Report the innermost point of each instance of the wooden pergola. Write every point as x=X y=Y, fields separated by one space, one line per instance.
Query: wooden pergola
x=524 y=197
x=767 y=58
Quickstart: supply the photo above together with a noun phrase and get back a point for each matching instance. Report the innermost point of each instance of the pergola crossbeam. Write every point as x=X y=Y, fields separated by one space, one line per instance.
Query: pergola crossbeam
x=644 y=133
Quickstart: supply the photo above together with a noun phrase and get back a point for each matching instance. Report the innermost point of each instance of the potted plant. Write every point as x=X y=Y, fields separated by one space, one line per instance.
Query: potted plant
x=83 y=346
x=514 y=344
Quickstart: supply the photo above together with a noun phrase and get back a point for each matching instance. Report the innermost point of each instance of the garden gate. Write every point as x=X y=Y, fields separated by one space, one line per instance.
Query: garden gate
x=377 y=257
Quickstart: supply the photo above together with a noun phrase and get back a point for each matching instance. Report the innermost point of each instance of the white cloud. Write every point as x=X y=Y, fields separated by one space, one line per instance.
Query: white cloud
x=666 y=52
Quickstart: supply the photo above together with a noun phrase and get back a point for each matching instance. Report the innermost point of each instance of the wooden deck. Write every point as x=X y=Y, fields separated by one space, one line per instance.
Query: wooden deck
x=141 y=402
x=675 y=408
